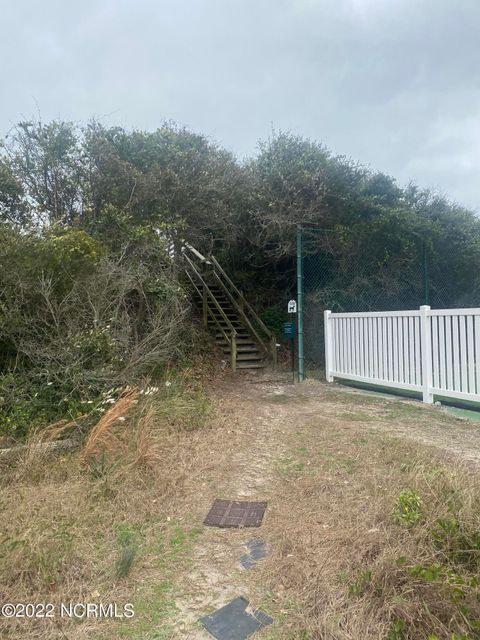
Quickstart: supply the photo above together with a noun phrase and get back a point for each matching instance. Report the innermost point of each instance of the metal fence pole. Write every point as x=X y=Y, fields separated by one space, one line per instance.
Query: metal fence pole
x=301 y=359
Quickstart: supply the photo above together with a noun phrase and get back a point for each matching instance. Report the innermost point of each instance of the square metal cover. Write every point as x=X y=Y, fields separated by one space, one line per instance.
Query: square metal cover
x=233 y=622
x=235 y=514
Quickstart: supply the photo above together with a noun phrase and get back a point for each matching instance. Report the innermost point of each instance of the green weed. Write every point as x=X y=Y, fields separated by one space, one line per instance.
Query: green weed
x=360 y=584
x=408 y=507
x=128 y=548
x=358 y=416
x=459 y=542
x=360 y=440
x=397 y=631
x=294 y=462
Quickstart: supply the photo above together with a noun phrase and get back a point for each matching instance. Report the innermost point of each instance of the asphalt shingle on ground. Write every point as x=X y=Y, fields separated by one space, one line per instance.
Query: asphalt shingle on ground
x=257 y=551
x=233 y=622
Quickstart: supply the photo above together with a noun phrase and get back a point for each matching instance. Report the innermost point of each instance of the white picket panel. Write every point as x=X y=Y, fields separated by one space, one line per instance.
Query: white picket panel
x=430 y=351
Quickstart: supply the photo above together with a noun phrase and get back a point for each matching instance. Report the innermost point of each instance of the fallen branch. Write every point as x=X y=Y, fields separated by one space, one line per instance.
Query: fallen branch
x=57 y=446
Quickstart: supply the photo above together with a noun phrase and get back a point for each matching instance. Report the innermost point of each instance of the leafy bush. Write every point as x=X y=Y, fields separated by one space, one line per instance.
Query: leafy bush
x=274 y=317
x=76 y=322
x=408 y=507
x=458 y=541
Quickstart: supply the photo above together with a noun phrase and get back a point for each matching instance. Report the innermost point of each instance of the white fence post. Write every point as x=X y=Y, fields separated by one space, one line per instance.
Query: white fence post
x=328 y=345
x=426 y=350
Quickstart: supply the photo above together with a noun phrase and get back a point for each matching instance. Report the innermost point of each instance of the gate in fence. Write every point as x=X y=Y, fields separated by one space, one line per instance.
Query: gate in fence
x=429 y=351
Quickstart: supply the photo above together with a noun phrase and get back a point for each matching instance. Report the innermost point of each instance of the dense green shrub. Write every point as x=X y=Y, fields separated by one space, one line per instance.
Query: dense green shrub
x=87 y=296
x=274 y=317
x=76 y=321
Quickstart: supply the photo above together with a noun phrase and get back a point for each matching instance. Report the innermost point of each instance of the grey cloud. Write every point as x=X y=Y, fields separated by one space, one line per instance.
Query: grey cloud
x=391 y=83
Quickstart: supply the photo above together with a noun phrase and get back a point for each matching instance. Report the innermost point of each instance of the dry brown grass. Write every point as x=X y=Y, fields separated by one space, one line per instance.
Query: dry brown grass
x=61 y=541
x=340 y=566
x=28 y=461
x=343 y=568
x=102 y=439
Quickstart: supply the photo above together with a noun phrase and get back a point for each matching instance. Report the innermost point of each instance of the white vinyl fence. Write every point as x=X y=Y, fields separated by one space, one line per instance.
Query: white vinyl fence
x=430 y=351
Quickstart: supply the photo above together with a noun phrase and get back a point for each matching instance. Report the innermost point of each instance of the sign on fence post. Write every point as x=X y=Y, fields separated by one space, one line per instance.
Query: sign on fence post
x=328 y=345
x=425 y=338
x=292 y=310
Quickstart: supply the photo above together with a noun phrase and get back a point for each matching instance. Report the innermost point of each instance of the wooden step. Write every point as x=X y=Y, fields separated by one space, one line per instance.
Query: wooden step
x=242 y=348
x=225 y=308
x=242 y=336
x=221 y=301
x=250 y=365
x=250 y=352
x=249 y=357
x=219 y=316
x=223 y=322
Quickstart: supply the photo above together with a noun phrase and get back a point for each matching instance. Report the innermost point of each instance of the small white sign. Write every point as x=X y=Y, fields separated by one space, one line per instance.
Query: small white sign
x=292 y=306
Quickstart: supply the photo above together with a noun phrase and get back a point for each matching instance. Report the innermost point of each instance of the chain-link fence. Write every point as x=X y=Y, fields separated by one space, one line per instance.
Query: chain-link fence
x=380 y=281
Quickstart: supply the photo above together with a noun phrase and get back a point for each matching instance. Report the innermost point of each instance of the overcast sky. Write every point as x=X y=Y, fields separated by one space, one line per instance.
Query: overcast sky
x=394 y=84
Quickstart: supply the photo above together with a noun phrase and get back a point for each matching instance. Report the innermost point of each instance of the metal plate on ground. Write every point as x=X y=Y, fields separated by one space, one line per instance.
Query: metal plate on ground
x=235 y=514
x=257 y=551
x=233 y=622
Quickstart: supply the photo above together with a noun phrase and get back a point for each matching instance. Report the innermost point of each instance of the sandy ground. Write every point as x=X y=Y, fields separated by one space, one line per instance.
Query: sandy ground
x=261 y=415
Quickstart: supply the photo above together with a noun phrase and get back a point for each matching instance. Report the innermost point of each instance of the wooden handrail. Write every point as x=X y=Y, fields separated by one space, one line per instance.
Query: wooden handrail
x=207 y=289
x=196 y=253
x=240 y=310
x=225 y=334
x=236 y=298
x=232 y=340
x=242 y=298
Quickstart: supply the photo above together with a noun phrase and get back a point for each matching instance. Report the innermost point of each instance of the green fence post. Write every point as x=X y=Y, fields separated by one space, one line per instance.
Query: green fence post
x=301 y=359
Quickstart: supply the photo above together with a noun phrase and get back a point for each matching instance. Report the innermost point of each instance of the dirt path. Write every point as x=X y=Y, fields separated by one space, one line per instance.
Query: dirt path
x=247 y=458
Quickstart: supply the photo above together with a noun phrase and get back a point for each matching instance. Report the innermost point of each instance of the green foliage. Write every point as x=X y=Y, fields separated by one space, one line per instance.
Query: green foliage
x=77 y=321
x=274 y=317
x=125 y=187
x=12 y=206
x=70 y=251
x=408 y=508
x=169 y=179
x=128 y=549
x=28 y=402
x=361 y=583
x=398 y=631
x=87 y=213
x=452 y=571
x=459 y=542
x=47 y=161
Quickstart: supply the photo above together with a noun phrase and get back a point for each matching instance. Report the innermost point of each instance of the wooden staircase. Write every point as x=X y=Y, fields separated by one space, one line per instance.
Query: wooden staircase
x=238 y=330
